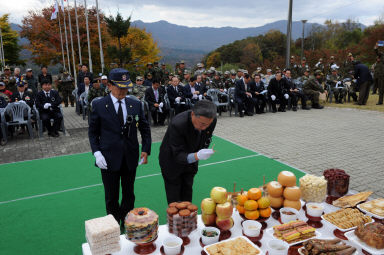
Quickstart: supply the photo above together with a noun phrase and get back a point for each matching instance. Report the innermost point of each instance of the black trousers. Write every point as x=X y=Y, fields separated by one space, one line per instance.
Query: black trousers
x=180 y=108
x=259 y=102
x=158 y=117
x=245 y=105
x=281 y=99
x=364 y=93
x=179 y=188
x=111 y=181
x=46 y=118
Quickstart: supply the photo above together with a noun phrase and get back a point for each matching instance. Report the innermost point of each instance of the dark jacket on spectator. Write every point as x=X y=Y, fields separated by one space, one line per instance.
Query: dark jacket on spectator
x=28 y=97
x=42 y=77
x=81 y=75
x=362 y=73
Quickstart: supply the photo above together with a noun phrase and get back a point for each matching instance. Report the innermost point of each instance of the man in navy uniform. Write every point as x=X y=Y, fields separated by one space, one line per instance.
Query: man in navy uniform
x=22 y=94
x=48 y=104
x=113 y=137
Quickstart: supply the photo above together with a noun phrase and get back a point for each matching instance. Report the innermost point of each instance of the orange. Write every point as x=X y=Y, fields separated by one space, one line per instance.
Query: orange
x=241 y=199
x=266 y=213
x=241 y=209
x=251 y=205
x=254 y=194
x=252 y=215
x=263 y=202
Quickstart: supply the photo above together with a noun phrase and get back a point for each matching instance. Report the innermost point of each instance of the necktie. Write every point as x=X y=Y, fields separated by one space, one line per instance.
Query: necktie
x=47 y=93
x=156 y=95
x=176 y=89
x=120 y=114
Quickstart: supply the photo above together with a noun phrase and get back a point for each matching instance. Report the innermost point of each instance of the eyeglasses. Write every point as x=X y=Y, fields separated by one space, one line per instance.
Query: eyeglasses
x=139 y=80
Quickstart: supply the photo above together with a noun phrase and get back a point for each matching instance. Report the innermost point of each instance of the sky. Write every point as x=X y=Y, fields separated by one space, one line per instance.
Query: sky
x=218 y=13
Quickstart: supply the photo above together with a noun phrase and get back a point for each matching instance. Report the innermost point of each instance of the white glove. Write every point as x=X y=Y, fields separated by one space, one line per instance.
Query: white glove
x=177 y=100
x=200 y=97
x=47 y=105
x=286 y=96
x=22 y=101
x=204 y=154
x=161 y=105
x=273 y=97
x=225 y=90
x=100 y=160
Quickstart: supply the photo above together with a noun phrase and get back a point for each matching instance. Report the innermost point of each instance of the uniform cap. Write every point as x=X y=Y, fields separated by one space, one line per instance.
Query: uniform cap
x=318 y=72
x=104 y=77
x=7 y=68
x=350 y=54
x=304 y=58
x=29 y=70
x=182 y=62
x=269 y=70
x=120 y=78
x=139 y=78
x=20 y=83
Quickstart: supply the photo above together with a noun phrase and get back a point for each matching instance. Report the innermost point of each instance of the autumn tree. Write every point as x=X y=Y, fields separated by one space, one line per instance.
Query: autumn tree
x=10 y=42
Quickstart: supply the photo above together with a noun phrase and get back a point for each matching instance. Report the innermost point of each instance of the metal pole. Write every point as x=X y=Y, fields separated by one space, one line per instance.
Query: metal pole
x=302 y=39
x=66 y=40
x=2 y=53
x=89 y=43
x=78 y=35
x=289 y=30
x=100 y=42
x=61 y=37
x=73 y=52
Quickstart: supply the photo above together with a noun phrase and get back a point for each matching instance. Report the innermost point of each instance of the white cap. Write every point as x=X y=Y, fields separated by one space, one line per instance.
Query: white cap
x=104 y=77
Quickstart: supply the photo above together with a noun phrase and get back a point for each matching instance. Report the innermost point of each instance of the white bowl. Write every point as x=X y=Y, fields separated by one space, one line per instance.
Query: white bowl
x=315 y=209
x=251 y=228
x=207 y=240
x=277 y=247
x=172 y=245
x=287 y=218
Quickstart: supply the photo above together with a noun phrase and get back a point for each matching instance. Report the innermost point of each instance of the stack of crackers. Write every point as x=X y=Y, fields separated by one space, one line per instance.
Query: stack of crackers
x=347 y=218
x=103 y=235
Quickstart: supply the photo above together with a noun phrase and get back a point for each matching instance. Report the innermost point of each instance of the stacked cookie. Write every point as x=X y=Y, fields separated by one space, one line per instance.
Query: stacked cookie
x=103 y=235
x=182 y=218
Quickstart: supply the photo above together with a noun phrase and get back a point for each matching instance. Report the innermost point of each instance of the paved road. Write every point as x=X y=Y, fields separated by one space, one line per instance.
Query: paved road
x=312 y=141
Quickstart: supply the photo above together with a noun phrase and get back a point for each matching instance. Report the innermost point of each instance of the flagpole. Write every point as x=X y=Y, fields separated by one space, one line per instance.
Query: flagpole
x=89 y=43
x=2 y=53
x=73 y=52
x=66 y=38
x=100 y=42
x=78 y=35
x=61 y=35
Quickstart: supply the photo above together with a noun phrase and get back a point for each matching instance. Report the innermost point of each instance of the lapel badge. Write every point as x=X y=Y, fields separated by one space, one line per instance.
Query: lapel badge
x=137 y=124
x=106 y=106
x=52 y=99
x=130 y=106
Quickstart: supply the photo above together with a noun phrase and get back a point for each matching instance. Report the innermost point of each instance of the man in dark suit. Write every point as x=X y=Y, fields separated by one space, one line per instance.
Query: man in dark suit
x=364 y=80
x=258 y=92
x=184 y=144
x=243 y=96
x=278 y=91
x=154 y=96
x=113 y=138
x=176 y=95
x=44 y=75
x=193 y=90
x=84 y=73
x=48 y=104
x=22 y=95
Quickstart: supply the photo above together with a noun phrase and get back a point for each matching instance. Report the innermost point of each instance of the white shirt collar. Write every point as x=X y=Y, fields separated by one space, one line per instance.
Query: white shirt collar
x=115 y=100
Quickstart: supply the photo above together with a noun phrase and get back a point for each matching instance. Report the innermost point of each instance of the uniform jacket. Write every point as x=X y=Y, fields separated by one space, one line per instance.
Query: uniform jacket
x=181 y=139
x=27 y=97
x=54 y=99
x=42 y=77
x=313 y=84
x=114 y=142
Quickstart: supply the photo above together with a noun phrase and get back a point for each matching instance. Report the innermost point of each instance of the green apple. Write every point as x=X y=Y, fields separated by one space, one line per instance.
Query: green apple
x=219 y=195
x=208 y=206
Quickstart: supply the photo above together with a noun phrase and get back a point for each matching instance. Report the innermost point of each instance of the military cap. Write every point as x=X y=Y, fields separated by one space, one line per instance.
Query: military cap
x=182 y=62
x=318 y=72
x=277 y=68
x=304 y=58
x=307 y=70
x=171 y=74
x=7 y=68
x=119 y=77
x=199 y=65
x=29 y=70
x=245 y=71
x=20 y=83
x=269 y=70
x=2 y=83
x=104 y=77
x=163 y=64
x=332 y=57
x=240 y=70
x=186 y=71
x=292 y=57
x=139 y=78
x=350 y=54
x=320 y=59
x=259 y=68
x=212 y=68
x=149 y=64
x=156 y=63
x=226 y=72
x=149 y=74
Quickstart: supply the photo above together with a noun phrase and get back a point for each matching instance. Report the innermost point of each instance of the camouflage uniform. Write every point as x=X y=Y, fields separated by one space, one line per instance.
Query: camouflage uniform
x=138 y=91
x=229 y=83
x=301 y=69
x=340 y=91
x=313 y=88
x=66 y=86
x=94 y=92
x=10 y=82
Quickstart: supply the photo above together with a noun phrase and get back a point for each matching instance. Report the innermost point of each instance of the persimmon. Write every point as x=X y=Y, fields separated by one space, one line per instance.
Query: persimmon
x=252 y=215
x=251 y=205
x=240 y=208
x=241 y=199
x=254 y=193
x=265 y=213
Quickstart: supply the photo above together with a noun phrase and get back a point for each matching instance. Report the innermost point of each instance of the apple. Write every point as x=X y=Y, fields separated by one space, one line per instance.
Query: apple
x=219 y=195
x=224 y=223
x=209 y=219
x=208 y=206
x=224 y=210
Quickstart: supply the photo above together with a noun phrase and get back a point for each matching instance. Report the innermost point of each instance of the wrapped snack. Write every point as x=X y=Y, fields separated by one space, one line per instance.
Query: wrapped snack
x=313 y=188
x=182 y=218
x=338 y=182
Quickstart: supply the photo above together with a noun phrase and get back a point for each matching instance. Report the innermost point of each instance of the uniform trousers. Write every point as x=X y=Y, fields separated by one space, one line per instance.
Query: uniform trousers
x=46 y=119
x=111 y=181
x=380 y=85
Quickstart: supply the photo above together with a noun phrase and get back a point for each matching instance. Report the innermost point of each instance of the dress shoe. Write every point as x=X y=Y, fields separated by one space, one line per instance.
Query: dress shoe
x=249 y=113
x=51 y=134
x=241 y=114
x=56 y=134
x=317 y=106
x=294 y=109
x=305 y=108
x=379 y=103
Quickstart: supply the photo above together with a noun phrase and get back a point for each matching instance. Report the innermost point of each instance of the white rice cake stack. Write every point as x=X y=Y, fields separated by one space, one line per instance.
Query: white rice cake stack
x=103 y=235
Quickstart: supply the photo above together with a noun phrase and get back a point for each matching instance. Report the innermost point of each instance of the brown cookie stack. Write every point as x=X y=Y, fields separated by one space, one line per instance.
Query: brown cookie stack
x=182 y=218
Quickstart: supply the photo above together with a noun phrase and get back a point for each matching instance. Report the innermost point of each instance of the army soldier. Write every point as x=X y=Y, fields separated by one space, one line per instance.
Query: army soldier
x=313 y=87
x=302 y=67
x=6 y=94
x=231 y=81
x=200 y=69
x=320 y=66
x=332 y=64
x=96 y=91
x=182 y=66
x=31 y=81
x=10 y=82
x=135 y=73
x=139 y=89
x=164 y=74
x=379 y=74
x=348 y=65
x=293 y=68
x=336 y=86
x=149 y=70
x=187 y=76
x=157 y=72
x=66 y=86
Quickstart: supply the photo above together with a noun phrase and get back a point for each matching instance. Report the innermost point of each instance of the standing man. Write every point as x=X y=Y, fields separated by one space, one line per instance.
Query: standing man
x=84 y=73
x=44 y=75
x=184 y=144
x=364 y=80
x=113 y=137
x=31 y=81
x=379 y=74
x=66 y=86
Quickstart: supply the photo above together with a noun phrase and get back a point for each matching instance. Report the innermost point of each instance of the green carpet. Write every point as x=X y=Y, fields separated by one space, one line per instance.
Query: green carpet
x=53 y=223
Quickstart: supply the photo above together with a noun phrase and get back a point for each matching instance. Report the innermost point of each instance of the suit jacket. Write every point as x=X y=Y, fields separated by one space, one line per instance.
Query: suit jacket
x=180 y=140
x=151 y=99
x=188 y=91
x=172 y=94
x=253 y=88
x=362 y=74
x=81 y=88
x=48 y=77
x=81 y=75
x=240 y=89
x=27 y=97
x=114 y=141
x=277 y=88
x=54 y=99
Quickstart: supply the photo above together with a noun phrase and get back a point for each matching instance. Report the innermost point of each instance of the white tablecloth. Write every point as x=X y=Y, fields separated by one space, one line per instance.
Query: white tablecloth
x=194 y=247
